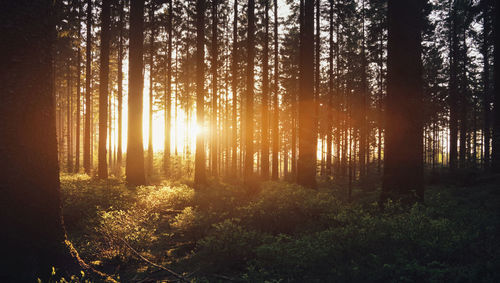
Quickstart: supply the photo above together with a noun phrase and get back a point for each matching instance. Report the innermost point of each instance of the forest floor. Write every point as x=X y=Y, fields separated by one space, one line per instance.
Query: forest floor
x=283 y=233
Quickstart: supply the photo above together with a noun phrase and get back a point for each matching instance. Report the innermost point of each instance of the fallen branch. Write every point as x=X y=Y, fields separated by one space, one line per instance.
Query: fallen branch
x=177 y=275
x=228 y=278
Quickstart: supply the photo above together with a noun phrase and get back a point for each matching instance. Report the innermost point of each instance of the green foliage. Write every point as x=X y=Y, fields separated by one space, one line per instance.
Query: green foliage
x=285 y=233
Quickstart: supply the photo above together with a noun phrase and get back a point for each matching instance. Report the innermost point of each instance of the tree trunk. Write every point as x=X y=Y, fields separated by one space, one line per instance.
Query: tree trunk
x=135 y=151
x=234 y=81
x=78 y=94
x=199 y=173
x=168 y=93
x=120 y=88
x=453 y=91
x=215 y=55
x=69 y=126
x=151 y=82
x=496 y=98
x=329 y=128
x=265 y=98
x=88 y=105
x=275 y=156
x=403 y=164
x=30 y=207
x=248 y=164
x=102 y=171
x=306 y=173
x=363 y=131
x=486 y=91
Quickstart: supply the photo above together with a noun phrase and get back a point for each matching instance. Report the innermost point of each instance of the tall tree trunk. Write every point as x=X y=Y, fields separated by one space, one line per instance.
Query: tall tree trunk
x=496 y=80
x=463 y=105
x=88 y=95
x=306 y=173
x=168 y=93
x=102 y=171
x=363 y=131
x=486 y=82
x=69 y=126
x=120 y=87
x=275 y=129
x=403 y=164
x=329 y=128
x=135 y=151
x=78 y=93
x=248 y=163
x=30 y=206
x=151 y=85
x=215 y=56
x=234 y=82
x=265 y=97
x=317 y=75
x=199 y=173
x=453 y=90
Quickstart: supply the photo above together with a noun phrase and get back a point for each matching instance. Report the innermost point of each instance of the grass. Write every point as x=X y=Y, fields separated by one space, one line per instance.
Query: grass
x=283 y=232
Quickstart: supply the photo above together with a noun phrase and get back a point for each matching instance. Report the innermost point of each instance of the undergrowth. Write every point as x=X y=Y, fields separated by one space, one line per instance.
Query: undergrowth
x=282 y=233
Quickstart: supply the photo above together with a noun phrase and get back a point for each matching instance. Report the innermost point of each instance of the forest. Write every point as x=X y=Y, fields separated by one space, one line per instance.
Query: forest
x=250 y=140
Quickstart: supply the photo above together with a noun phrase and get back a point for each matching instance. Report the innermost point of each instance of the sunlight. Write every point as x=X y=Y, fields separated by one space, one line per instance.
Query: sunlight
x=183 y=131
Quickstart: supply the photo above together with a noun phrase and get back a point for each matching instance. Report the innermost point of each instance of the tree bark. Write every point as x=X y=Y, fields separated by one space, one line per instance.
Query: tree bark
x=168 y=93
x=102 y=171
x=234 y=81
x=486 y=83
x=215 y=56
x=151 y=86
x=496 y=81
x=276 y=134
x=248 y=163
x=88 y=91
x=306 y=173
x=265 y=98
x=403 y=164
x=135 y=151
x=30 y=206
x=78 y=93
x=199 y=173
x=120 y=87
x=453 y=91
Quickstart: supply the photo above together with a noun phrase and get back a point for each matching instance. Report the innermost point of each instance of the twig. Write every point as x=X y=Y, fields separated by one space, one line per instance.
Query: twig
x=180 y=277
x=228 y=278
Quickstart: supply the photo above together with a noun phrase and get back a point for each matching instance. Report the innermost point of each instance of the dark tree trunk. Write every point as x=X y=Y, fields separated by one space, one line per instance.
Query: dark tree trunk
x=317 y=76
x=234 y=81
x=363 y=131
x=248 y=163
x=69 y=125
x=120 y=87
x=306 y=173
x=102 y=171
x=88 y=94
x=30 y=206
x=215 y=55
x=403 y=164
x=135 y=151
x=199 y=173
x=486 y=82
x=275 y=129
x=78 y=95
x=329 y=128
x=151 y=86
x=453 y=91
x=168 y=93
x=265 y=98
x=496 y=99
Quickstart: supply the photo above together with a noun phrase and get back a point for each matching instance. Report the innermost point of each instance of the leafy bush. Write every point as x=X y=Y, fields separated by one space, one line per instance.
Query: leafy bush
x=285 y=233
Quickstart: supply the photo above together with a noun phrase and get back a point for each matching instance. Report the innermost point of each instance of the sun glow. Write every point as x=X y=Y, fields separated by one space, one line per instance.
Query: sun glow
x=183 y=131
